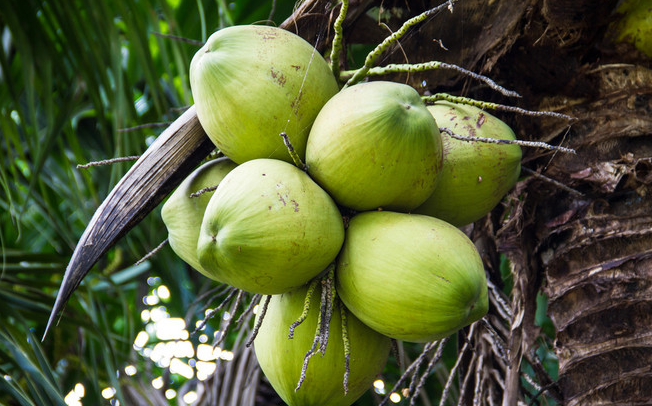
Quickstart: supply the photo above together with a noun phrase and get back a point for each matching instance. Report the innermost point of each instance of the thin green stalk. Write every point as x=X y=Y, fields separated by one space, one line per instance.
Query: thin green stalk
x=493 y=106
x=315 y=342
x=347 y=346
x=306 y=307
x=295 y=157
x=534 y=144
x=337 y=40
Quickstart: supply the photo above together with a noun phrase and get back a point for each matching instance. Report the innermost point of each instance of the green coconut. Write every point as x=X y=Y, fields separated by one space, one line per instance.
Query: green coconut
x=632 y=24
x=281 y=358
x=269 y=228
x=250 y=83
x=183 y=214
x=375 y=145
x=410 y=277
x=476 y=175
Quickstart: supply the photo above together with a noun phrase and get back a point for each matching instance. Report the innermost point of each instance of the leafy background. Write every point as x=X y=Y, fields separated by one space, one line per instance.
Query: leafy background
x=86 y=81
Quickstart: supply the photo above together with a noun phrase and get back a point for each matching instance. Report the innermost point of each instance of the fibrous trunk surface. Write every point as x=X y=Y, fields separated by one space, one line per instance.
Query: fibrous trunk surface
x=588 y=242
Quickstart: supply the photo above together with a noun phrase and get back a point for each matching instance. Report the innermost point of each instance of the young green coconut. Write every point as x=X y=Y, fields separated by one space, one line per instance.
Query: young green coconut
x=251 y=82
x=632 y=23
x=269 y=228
x=183 y=214
x=476 y=175
x=410 y=277
x=375 y=145
x=282 y=358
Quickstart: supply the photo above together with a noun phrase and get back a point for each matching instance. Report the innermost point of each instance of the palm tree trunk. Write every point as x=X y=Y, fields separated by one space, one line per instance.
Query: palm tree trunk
x=587 y=239
x=593 y=245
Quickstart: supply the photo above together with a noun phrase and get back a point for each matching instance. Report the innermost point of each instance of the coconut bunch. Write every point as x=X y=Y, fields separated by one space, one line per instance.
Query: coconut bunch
x=356 y=187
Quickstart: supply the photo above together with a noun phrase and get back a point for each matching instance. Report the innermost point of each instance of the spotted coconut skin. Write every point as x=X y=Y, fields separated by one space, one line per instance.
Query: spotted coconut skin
x=269 y=228
x=410 y=277
x=475 y=175
x=281 y=358
x=182 y=215
x=375 y=145
x=250 y=83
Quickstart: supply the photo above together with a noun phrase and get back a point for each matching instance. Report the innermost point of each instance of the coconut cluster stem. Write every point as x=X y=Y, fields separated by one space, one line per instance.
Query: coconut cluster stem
x=413 y=369
x=347 y=346
x=337 y=40
x=109 y=161
x=259 y=321
x=320 y=341
x=234 y=308
x=552 y=181
x=380 y=49
x=493 y=106
x=232 y=292
x=254 y=301
x=421 y=67
x=316 y=341
x=327 y=285
x=415 y=387
x=152 y=252
x=295 y=157
x=306 y=307
x=534 y=144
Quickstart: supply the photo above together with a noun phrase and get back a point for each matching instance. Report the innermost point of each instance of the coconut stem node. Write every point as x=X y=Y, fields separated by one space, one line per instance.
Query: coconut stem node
x=312 y=349
x=295 y=157
x=453 y=371
x=396 y=353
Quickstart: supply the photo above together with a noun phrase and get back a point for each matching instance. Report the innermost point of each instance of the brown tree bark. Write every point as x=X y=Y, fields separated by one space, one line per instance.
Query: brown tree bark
x=589 y=243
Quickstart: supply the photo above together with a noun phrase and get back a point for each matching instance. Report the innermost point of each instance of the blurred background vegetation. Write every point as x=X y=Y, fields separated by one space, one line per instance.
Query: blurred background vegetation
x=86 y=81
